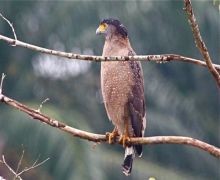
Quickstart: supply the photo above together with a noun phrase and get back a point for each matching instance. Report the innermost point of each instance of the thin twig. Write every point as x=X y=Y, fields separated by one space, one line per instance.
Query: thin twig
x=35 y=162
x=34 y=165
x=199 y=42
x=18 y=175
x=214 y=151
x=9 y=168
x=1 y=83
x=155 y=58
x=11 y=25
x=41 y=105
x=20 y=160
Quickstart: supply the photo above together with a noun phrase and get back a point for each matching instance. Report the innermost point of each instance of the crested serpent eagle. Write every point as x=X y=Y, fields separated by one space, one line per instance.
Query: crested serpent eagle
x=122 y=87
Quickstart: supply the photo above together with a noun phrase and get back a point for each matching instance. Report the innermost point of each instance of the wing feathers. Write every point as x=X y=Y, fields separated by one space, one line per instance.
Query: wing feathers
x=136 y=100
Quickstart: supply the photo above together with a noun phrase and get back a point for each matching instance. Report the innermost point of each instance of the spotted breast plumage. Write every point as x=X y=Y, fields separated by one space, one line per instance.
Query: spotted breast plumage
x=122 y=89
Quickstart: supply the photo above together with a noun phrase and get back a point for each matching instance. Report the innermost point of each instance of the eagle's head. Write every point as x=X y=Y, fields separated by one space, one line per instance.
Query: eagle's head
x=110 y=27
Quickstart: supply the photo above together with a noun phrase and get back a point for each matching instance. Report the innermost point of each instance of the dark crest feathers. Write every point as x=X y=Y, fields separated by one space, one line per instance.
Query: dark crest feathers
x=119 y=26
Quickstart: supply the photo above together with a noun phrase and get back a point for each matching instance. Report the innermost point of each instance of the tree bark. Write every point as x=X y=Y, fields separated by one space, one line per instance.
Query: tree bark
x=98 y=138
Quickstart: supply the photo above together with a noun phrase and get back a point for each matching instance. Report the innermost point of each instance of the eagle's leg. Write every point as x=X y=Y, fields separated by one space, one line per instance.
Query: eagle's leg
x=111 y=136
x=125 y=137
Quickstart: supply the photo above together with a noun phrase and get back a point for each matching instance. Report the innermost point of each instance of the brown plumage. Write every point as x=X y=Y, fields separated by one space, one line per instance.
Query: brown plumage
x=122 y=88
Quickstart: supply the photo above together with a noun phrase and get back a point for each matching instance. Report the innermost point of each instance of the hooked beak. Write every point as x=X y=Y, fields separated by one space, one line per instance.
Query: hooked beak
x=98 y=31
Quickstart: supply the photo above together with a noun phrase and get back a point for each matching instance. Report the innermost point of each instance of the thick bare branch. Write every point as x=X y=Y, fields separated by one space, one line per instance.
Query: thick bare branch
x=156 y=58
x=52 y=122
x=36 y=115
x=199 y=42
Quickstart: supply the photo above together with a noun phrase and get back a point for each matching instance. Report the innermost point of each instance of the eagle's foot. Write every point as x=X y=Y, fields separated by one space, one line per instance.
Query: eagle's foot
x=111 y=137
x=124 y=140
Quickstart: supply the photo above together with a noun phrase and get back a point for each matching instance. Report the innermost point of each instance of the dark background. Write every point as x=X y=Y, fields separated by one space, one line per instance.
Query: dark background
x=182 y=98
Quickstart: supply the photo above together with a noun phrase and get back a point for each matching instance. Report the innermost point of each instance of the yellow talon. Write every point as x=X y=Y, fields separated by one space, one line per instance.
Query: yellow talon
x=111 y=136
x=124 y=139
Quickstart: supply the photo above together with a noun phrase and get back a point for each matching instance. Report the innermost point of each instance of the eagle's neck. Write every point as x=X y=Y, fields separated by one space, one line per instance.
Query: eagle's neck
x=115 y=45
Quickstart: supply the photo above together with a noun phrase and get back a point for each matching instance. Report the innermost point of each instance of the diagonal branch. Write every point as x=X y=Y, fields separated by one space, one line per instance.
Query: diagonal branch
x=36 y=115
x=199 y=42
x=156 y=58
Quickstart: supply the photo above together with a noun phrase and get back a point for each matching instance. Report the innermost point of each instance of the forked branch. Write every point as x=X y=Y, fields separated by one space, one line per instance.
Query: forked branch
x=16 y=174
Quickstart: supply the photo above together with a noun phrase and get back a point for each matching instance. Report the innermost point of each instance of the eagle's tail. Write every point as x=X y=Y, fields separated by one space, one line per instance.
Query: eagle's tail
x=128 y=160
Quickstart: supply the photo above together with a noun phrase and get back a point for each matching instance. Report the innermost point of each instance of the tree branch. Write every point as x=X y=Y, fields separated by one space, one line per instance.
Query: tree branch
x=15 y=173
x=156 y=58
x=19 y=162
x=34 y=165
x=9 y=168
x=199 y=42
x=12 y=28
x=36 y=115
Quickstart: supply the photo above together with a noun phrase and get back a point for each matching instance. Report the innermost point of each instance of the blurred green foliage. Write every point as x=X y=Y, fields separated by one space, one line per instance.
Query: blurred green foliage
x=182 y=99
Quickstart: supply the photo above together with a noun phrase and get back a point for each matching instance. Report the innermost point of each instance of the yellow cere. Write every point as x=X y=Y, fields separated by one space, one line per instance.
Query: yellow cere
x=102 y=27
